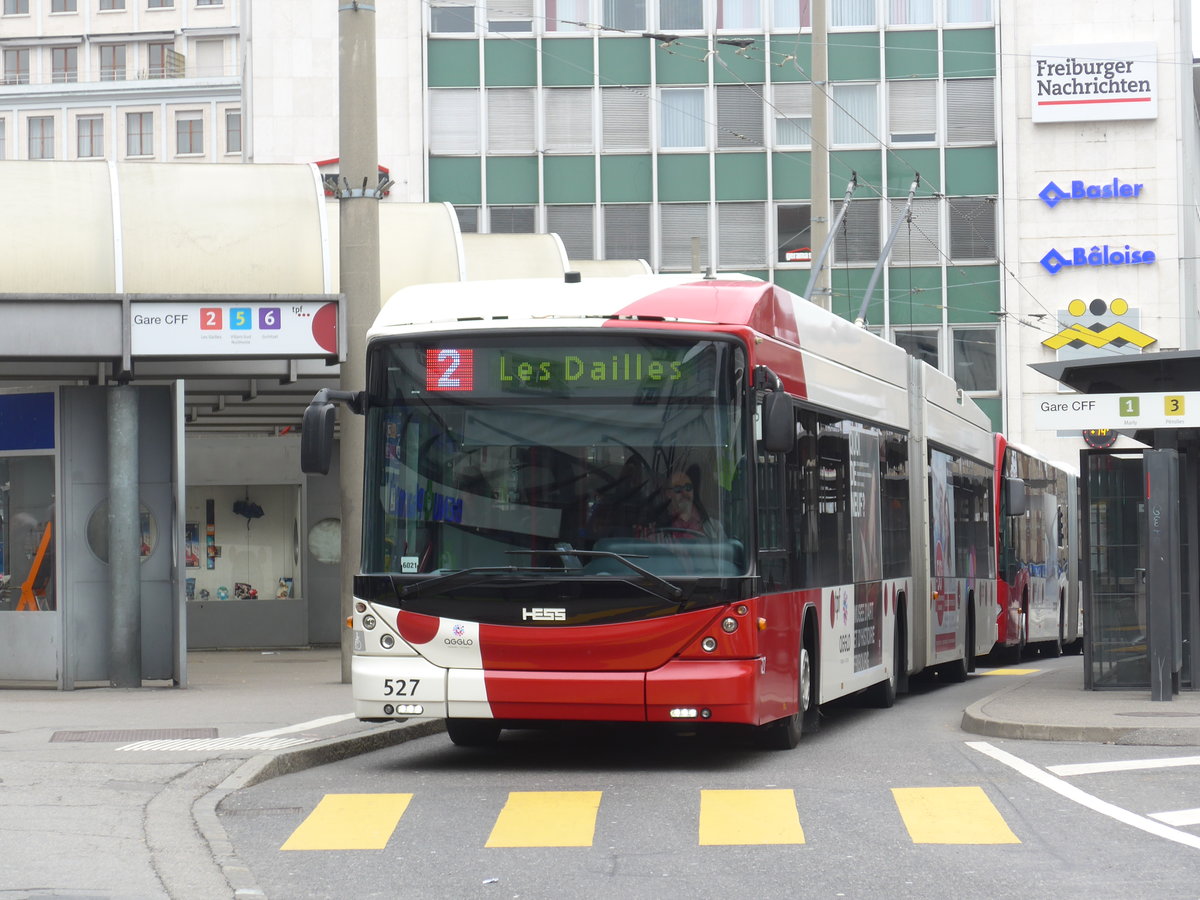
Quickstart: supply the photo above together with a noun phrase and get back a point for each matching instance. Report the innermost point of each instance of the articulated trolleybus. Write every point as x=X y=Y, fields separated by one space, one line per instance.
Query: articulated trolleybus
x=1037 y=525
x=657 y=499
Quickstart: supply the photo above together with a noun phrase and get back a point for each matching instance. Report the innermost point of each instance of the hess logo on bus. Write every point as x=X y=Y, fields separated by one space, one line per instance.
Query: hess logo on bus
x=543 y=614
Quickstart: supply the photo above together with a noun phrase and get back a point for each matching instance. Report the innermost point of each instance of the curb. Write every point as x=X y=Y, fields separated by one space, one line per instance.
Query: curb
x=267 y=766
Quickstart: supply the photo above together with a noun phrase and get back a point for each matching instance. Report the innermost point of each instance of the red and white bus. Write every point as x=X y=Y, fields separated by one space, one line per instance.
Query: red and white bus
x=655 y=499
x=1037 y=525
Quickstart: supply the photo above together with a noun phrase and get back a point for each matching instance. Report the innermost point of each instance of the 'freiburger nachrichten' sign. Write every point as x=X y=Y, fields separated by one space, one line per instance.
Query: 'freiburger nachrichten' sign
x=1094 y=82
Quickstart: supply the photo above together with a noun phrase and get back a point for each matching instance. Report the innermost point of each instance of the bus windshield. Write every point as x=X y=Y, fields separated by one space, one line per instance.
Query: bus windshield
x=561 y=455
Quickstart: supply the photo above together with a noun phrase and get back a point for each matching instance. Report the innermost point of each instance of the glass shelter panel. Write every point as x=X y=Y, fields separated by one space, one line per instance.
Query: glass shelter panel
x=1116 y=544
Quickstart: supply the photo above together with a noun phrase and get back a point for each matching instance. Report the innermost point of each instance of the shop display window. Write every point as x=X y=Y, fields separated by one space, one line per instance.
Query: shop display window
x=242 y=542
x=27 y=533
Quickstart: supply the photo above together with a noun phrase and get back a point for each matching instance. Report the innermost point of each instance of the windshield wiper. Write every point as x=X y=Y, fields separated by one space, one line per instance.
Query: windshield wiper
x=461 y=577
x=657 y=586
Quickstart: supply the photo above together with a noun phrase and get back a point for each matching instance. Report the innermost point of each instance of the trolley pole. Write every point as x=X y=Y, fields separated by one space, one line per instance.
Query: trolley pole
x=819 y=291
x=359 y=259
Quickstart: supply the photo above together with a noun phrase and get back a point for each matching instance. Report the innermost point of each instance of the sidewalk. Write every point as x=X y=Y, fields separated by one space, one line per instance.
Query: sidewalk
x=1052 y=705
x=112 y=793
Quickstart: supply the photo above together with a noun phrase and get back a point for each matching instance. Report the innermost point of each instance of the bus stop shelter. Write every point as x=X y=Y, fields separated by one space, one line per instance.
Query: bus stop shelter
x=1140 y=517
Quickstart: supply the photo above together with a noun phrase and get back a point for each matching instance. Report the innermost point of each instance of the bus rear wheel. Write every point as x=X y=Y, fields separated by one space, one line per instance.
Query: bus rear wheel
x=472 y=732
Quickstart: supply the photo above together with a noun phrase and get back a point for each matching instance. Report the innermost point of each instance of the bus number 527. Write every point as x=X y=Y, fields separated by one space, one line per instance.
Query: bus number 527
x=400 y=687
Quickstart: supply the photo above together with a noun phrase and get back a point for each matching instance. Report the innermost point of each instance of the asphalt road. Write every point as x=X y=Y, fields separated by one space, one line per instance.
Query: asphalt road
x=879 y=803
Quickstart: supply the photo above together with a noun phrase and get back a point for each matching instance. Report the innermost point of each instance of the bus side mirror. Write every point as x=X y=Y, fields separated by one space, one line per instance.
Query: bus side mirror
x=778 y=426
x=316 y=438
x=1016 y=499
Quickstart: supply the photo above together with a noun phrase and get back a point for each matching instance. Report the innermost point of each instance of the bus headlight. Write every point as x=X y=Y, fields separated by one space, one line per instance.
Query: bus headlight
x=729 y=625
x=369 y=622
x=709 y=644
x=387 y=641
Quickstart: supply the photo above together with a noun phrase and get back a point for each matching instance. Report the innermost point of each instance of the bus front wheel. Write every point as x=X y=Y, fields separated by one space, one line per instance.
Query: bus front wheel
x=784 y=734
x=472 y=732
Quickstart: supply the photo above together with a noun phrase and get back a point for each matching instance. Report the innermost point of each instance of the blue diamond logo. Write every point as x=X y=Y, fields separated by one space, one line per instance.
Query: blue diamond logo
x=1052 y=193
x=1054 y=262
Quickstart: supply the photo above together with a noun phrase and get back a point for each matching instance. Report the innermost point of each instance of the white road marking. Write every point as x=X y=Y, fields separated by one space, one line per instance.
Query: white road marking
x=303 y=726
x=1179 y=817
x=1126 y=765
x=1032 y=772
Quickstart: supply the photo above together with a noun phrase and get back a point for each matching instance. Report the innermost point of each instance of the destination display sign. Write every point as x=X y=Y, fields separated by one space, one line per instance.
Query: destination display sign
x=1058 y=412
x=565 y=369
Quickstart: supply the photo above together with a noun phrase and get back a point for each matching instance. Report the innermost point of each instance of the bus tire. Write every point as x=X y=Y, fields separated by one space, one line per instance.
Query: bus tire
x=784 y=734
x=473 y=732
x=883 y=694
x=956 y=672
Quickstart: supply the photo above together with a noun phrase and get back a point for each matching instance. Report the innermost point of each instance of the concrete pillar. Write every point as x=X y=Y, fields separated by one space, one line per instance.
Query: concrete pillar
x=124 y=538
x=359 y=179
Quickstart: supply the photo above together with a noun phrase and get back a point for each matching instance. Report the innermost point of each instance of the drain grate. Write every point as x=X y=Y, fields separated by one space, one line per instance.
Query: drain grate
x=133 y=734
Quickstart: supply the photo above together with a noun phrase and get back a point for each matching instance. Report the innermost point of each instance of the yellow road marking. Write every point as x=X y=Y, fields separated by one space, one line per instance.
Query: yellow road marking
x=547 y=819
x=749 y=817
x=1011 y=672
x=952 y=815
x=350 y=822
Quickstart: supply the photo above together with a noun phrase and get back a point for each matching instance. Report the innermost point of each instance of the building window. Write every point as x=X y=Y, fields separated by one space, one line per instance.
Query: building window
x=742 y=233
x=210 y=58
x=851 y=13
x=971 y=111
x=233 y=131
x=452 y=16
x=624 y=14
x=112 y=62
x=567 y=114
x=793 y=233
x=857 y=240
x=681 y=15
x=567 y=15
x=41 y=137
x=511 y=220
x=16 y=66
x=625 y=113
x=189 y=133
x=910 y=12
x=63 y=6
x=682 y=124
x=964 y=11
x=158 y=58
x=510 y=15
x=139 y=134
x=793 y=115
x=111 y=4
x=210 y=2
x=454 y=122
x=975 y=359
x=912 y=111
x=683 y=236
x=511 y=123
x=742 y=15
x=16 y=7
x=65 y=62
x=575 y=226
x=972 y=228
x=739 y=116
x=918 y=241
x=627 y=231
x=921 y=343
x=3 y=139
x=89 y=136
x=791 y=14
x=855 y=115
x=160 y=4
x=468 y=219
